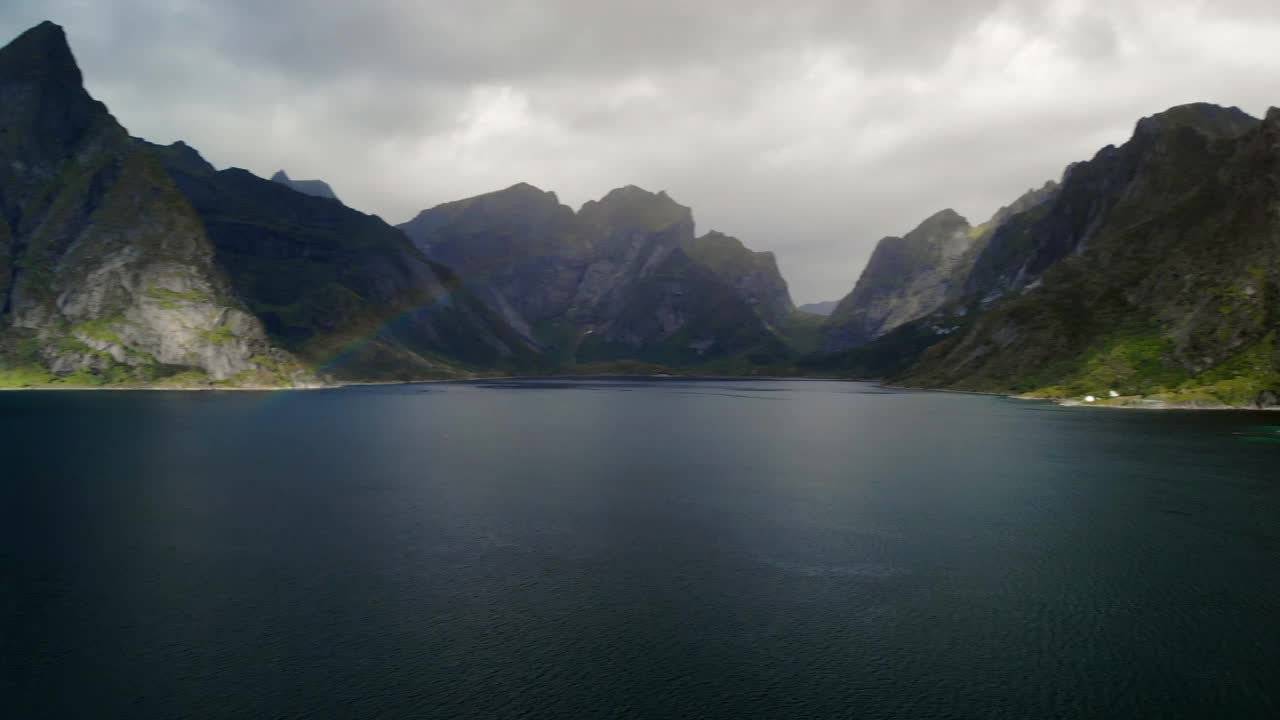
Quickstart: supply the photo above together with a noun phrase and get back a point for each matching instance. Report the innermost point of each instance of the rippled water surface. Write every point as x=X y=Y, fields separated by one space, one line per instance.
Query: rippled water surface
x=659 y=549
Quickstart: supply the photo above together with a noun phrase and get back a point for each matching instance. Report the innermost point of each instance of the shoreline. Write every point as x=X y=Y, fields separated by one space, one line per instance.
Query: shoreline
x=1125 y=403
x=1121 y=403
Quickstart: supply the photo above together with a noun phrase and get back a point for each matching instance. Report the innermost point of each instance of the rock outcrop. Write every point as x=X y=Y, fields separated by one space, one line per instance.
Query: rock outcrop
x=316 y=188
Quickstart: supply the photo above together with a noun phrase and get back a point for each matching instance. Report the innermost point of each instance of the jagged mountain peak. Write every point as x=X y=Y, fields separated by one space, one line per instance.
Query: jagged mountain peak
x=633 y=191
x=40 y=53
x=940 y=221
x=715 y=236
x=1029 y=199
x=718 y=239
x=316 y=188
x=47 y=111
x=522 y=200
x=525 y=188
x=519 y=195
x=632 y=195
x=181 y=155
x=1212 y=120
x=634 y=208
x=753 y=275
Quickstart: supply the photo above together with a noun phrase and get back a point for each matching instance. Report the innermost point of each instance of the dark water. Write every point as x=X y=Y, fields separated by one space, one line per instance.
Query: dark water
x=633 y=549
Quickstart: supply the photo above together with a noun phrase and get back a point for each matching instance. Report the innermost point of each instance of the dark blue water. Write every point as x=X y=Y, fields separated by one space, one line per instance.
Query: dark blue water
x=622 y=549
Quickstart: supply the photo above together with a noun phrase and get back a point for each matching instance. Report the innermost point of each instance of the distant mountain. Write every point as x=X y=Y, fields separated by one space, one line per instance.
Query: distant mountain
x=1153 y=270
x=754 y=276
x=622 y=278
x=823 y=308
x=906 y=278
x=912 y=276
x=318 y=188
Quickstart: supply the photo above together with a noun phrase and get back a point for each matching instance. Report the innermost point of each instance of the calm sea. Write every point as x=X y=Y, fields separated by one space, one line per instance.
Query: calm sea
x=633 y=549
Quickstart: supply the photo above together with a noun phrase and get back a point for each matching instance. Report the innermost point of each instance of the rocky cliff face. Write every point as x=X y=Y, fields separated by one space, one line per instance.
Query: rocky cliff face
x=1154 y=270
x=906 y=278
x=615 y=280
x=316 y=188
x=519 y=249
x=914 y=276
x=106 y=272
x=754 y=276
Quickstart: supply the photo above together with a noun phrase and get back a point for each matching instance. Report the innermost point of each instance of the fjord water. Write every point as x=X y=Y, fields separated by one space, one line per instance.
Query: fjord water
x=613 y=548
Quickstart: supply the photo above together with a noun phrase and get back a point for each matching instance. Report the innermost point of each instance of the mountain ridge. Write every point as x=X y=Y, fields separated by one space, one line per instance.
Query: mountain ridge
x=1150 y=272
x=623 y=277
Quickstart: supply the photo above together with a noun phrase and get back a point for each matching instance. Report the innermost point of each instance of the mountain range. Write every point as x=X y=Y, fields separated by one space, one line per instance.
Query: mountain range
x=1149 y=271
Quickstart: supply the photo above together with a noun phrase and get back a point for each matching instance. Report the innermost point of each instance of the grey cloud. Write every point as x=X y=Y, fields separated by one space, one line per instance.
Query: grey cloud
x=811 y=128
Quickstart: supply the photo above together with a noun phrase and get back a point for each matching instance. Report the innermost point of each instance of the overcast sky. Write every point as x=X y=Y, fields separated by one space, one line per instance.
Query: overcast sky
x=808 y=128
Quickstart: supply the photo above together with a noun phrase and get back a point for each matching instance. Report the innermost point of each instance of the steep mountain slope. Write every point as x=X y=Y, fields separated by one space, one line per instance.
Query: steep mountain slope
x=106 y=273
x=913 y=276
x=317 y=188
x=613 y=281
x=519 y=249
x=906 y=278
x=346 y=292
x=754 y=276
x=1153 y=271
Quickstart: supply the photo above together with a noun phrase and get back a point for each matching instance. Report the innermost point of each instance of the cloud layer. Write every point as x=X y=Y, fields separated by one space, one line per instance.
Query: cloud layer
x=808 y=128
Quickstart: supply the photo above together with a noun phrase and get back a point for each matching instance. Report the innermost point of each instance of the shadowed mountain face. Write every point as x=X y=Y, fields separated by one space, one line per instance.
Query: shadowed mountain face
x=317 y=188
x=1151 y=270
x=341 y=289
x=623 y=278
x=754 y=276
